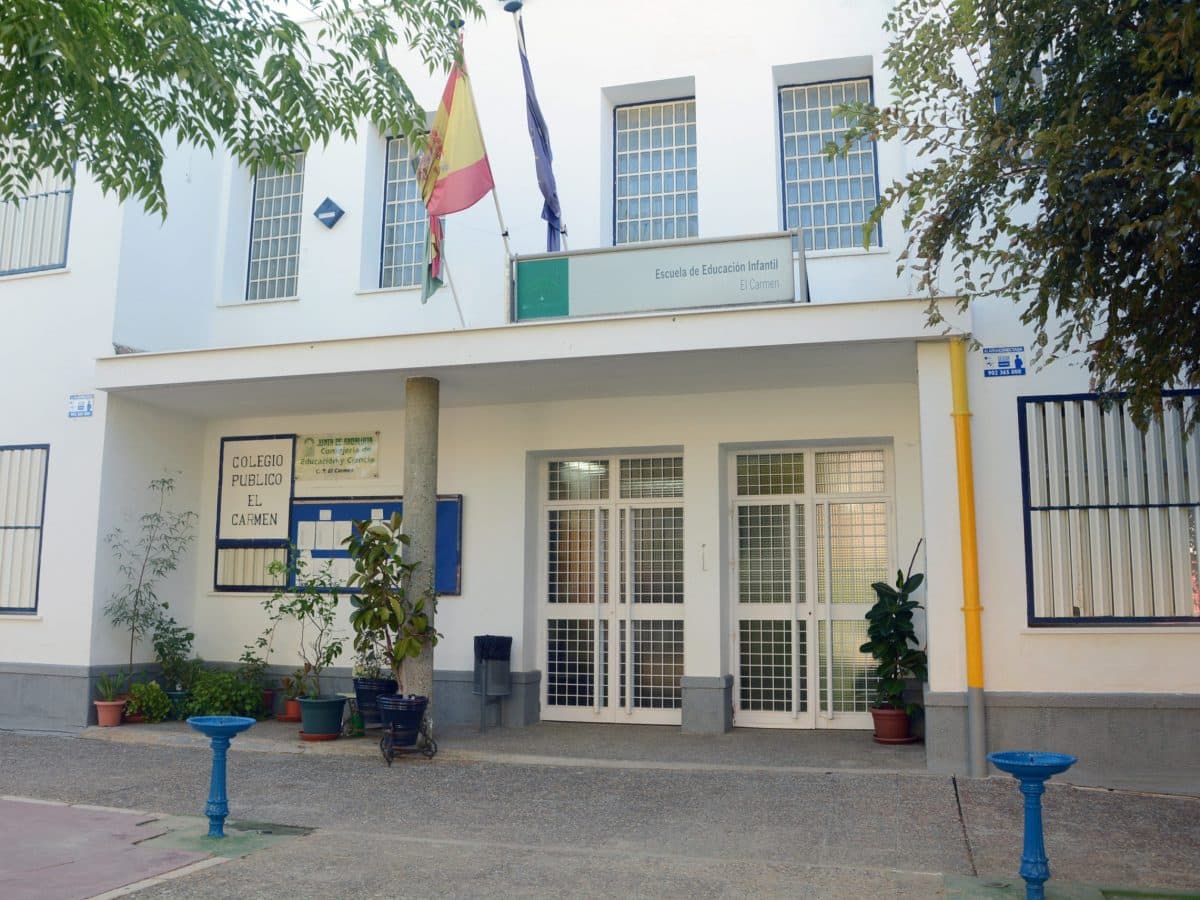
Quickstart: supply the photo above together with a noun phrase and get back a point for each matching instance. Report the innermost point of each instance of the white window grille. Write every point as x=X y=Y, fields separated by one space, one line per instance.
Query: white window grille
x=33 y=228
x=405 y=223
x=275 y=232
x=655 y=196
x=829 y=200
x=22 y=510
x=1112 y=513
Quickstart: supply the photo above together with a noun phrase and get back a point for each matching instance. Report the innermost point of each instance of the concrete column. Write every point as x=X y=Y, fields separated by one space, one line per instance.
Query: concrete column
x=420 y=507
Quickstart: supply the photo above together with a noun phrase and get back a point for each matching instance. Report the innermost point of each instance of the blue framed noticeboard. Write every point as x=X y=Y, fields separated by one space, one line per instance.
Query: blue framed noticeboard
x=319 y=525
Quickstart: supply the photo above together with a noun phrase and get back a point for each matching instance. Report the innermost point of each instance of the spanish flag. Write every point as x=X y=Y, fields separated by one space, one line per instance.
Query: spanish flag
x=454 y=172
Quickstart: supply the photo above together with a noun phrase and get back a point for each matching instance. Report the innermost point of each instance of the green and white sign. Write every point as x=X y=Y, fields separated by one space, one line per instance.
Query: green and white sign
x=662 y=276
x=332 y=457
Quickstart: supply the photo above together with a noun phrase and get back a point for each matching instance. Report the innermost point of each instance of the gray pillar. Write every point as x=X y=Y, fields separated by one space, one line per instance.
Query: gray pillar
x=420 y=507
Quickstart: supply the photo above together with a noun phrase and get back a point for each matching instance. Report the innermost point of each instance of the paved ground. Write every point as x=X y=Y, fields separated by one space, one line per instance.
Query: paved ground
x=468 y=827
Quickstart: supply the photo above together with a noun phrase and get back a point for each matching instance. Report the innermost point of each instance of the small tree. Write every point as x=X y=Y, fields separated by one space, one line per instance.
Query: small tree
x=312 y=602
x=1056 y=166
x=893 y=638
x=144 y=558
x=385 y=606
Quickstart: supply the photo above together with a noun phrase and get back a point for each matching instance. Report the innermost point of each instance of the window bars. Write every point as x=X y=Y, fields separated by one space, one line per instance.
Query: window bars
x=654 y=170
x=274 y=263
x=33 y=228
x=1111 y=512
x=829 y=200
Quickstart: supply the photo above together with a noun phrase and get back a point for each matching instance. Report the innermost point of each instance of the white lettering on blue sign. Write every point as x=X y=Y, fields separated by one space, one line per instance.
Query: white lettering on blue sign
x=999 y=362
x=79 y=406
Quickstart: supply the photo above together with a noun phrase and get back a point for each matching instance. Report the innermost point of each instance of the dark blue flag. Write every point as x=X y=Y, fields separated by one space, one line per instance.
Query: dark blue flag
x=540 y=136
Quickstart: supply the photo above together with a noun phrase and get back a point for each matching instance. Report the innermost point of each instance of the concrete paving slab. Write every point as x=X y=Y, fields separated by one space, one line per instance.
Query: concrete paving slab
x=51 y=852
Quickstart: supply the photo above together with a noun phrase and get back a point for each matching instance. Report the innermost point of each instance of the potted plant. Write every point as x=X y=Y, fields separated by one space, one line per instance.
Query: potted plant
x=148 y=702
x=172 y=648
x=385 y=607
x=108 y=707
x=892 y=641
x=223 y=693
x=294 y=686
x=143 y=558
x=312 y=602
x=370 y=679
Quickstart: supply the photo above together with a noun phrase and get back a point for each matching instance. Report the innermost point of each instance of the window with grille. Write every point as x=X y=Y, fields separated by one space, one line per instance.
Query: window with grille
x=829 y=200
x=275 y=232
x=22 y=509
x=1112 y=513
x=402 y=251
x=654 y=171
x=33 y=228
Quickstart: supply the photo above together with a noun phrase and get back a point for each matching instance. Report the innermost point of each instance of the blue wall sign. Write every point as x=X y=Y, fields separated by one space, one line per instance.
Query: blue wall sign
x=79 y=406
x=328 y=213
x=999 y=362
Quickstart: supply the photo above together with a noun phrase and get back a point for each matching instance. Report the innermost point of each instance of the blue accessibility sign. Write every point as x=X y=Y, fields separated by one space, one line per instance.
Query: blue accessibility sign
x=999 y=362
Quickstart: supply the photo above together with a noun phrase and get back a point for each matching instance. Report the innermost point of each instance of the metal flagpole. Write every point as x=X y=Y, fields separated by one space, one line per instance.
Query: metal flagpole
x=495 y=196
x=453 y=292
x=496 y=200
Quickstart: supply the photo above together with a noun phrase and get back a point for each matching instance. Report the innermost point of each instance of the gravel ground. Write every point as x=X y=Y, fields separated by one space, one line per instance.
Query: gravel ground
x=466 y=828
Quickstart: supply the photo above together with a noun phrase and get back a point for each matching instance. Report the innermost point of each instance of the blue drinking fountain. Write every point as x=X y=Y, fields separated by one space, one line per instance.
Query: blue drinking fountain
x=220 y=731
x=1032 y=768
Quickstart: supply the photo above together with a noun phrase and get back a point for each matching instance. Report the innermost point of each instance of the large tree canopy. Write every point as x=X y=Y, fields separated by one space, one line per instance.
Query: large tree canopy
x=1058 y=167
x=104 y=84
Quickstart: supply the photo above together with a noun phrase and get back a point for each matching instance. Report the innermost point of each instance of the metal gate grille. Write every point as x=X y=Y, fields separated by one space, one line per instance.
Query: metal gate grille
x=1111 y=513
x=571 y=662
x=22 y=506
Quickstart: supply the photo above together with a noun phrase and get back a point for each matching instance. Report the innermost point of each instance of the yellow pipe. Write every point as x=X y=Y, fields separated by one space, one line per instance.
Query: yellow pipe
x=966 y=513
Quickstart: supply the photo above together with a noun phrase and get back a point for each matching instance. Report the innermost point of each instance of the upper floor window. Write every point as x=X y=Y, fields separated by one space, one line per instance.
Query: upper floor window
x=22 y=508
x=829 y=200
x=654 y=194
x=33 y=228
x=1112 y=513
x=402 y=251
x=275 y=232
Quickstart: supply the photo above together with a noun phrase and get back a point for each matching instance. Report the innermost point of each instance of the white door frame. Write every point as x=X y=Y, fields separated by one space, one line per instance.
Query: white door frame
x=816 y=616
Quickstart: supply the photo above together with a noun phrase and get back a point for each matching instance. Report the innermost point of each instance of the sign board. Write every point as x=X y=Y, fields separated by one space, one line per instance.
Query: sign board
x=319 y=525
x=334 y=457
x=661 y=276
x=256 y=489
x=79 y=406
x=1000 y=362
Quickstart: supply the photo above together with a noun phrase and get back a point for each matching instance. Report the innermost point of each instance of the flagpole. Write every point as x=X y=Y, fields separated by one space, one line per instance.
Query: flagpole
x=514 y=7
x=483 y=140
x=453 y=292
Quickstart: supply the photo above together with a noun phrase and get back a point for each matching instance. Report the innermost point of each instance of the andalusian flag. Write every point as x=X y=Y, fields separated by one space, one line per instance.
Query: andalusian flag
x=454 y=171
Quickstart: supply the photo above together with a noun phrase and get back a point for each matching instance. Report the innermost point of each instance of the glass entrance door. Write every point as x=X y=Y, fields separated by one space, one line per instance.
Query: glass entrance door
x=612 y=623
x=812 y=532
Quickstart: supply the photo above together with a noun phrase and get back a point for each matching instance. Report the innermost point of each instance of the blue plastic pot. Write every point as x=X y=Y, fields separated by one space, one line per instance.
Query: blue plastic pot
x=403 y=716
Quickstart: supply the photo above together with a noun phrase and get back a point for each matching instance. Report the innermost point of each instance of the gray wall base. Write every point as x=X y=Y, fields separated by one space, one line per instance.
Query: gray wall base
x=707 y=704
x=59 y=698
x=1129 y=741
x=455 y=704
x=53 y=698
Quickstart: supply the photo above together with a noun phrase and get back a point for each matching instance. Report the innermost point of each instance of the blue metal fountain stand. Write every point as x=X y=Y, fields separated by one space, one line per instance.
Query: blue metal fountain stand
x=220 y=731
x=1032 y=768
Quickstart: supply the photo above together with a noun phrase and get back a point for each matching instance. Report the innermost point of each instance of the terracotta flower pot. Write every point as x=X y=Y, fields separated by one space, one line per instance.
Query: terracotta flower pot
x=108 y=712
x=291 y=710
x=892 y=726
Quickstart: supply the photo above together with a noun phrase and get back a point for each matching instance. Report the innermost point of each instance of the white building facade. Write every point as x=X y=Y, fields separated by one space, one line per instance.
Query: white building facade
x=673 y=499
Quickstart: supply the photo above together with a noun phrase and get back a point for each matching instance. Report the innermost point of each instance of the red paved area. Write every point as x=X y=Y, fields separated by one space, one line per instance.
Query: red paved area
x=54 y=852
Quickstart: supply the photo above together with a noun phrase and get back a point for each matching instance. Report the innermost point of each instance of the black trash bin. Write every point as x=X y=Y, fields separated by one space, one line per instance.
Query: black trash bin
x=493 y=674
